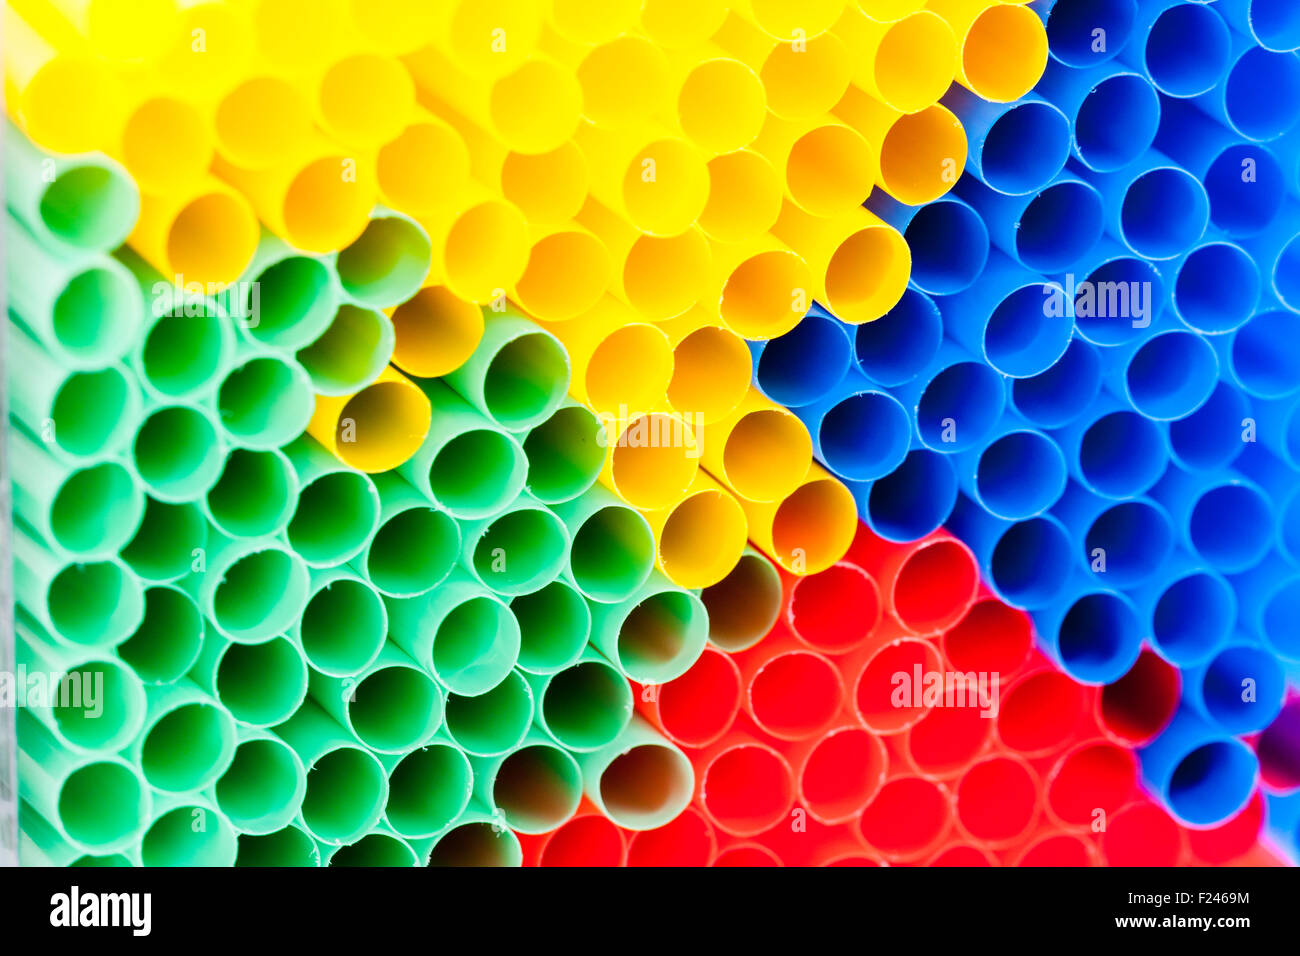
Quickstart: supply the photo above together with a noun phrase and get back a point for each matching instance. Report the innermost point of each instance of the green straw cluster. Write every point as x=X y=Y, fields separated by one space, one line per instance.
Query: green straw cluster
x=258 y=655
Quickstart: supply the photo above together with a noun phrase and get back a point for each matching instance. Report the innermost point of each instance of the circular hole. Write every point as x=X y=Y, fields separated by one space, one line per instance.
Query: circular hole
x=1099 y=637
x=475 y=646
x=1262 y=93
x=895 y=348
x=960 y=406
x=744 y=605
x=412 y=552
x=265 y=402
x=587 y=705
x=923 y=607
x=747 y=789
x=260 y=593
x=698 y=707
x=686 y=841
x=1244 y=205
x=1217 y=288
x=1117 y=300
x=997 y=799
x=795 y=695
x=493 y=722
x=991 y=637
x=646 y=786
x=96 y=603
x=169 y=637
x=427 y=790
x=394 y=708
x=1041 y=712
x=1164 y=212
x=96 y=509
x=1192 y=617
x=1025 y=148
x=1172 y=375
x=865 y=436
x=532 y=542
x=1212 y=782
x=1023 y=336
x=1262 y=368
x=1116 y=122
x=1042 y=244
x=1122 y=454
x=590 y=840
x=537 y=788
x=1020 y=475
x=96 y=314
x=803 y=365
x=177 y=453
x=949 y=244
x=342 y=627
x=1187 y=50
x=346 y=791
x=1140 y=704
x=261 y=684
x=907 y=816
x=1237 y=544
x=915 y=498
x=187 y=748
x=843 y=771
x=1058 y=396
x=836 y=609
x=1134 y=538
x=1031 y=562
x=1071 y=27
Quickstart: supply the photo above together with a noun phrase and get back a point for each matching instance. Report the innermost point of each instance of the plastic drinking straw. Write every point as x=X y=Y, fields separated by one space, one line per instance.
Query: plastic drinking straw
x=537 y=786
x=1090 y=95
x=1264 y=371
x=833 y=611
x=1197 y=504
x=1153 y=207
x=659 y=277
x=96 y=604
x=314 y=196
x=1017 y=473
x=63 y=100
x=207 y=234
x=338 y=507
x=422 y=167
x=1071 y=26
x=905 y=62
x=391 y=705
x=895 y=348
x=1240 y=204
x=1041 y=711
x=640 y=780
x=98 y=804
x=1232 y=840
x=170 y=538
x=583 y=705
x=1030 y=228
x=1092 y=444
x=839 y=773
x=343 y=623
x=352 y=352
x=947 y=239
x=956 y=401
x=347 y=787
x=586 y=261
x=1202 y=776
x=428 y=788
x=92 y=703
x=85 y=311
x=1191 y=609
x=672 y=24
x=1027 y=562
x=828 y=167
x=251 y=589
x=743 y=449
x=911 y=501
x=88 y=202
x=377 y=428
x=651 y=459
x=1121 y=295
x=1215 y=689
x=1015 y=149
x=435 y=332
x=744 y=197
x=262 y=791
x=1095 y=774
x=1134 y=536
x=697 y=708
x=687 y=840
x=1220 y=307
x=703 y=80
x=1003 y=47
x=945 y=741
x=1257 y=99
x=858 y=432
x=364 y=100
x=806 y=363
x=493 y=722
x=416 y=545
x=654 y=635
x=385 y=265
x=265 y=401
x=494 y=229
x=287 y=847
x=184 y=353
x=255 y=496
x=259 y=120
x=1167 y=377
x=711 y=368
x=910 y=579
x=998 y=800
x=1184 y=50
x=809 y=529
x=168 y=640
x=377 y=848
x=85 y=512
x=611 y=546
x=618 y=359
x=1138 y=706
x=700 y=537
x=154 y=118
x=790 y=692
x=516 y=551
x=993 y=636
x=177 y=452
x=476 y=839
x=564 y=454
x=744 y=605
x=925 y=806
x=187 y=741
x=764 y=287
x=79 y=414
x=1095 y=633
x=517 y=376
x=286 y=300
x=588 y=838
x=548 y=188
x=1057 y=397
x=260 y=684
x=554 y=623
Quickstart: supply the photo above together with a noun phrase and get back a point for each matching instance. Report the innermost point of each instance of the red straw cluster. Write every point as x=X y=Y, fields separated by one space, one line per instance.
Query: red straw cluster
x=845 y=738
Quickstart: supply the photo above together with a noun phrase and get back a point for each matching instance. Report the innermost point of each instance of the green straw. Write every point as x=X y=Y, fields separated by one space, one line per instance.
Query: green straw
x=428 y=788
x=386 y=264
x=99 y=804
x=391 y=706
x=554 y=623
x=351 y=353
x=565 y=453
x=177 y=452
x=342 y=627
x=255 y=496
x=86 y=310
x=253 y=589
x=655 y=635
x=188 y=830
x=611 y=550
x=167 y=642
x=518 y=375
x=40 y=844
x=87 y=511
x=262 y=790
x=491 y=723
x=284 y=300
x=640 y=781
x=290 y=846
x=83 y=414
x=477 y=839
x=518 y=550
x=462 y=632
x=265 y=401
x=416 y=545
x=95 y=604
x=87 y=202
x=185 y=356
x=537 y=786
x=260 y=684
x=338 y=506
x=188 y=739
x=586 y=705
x=379 y=847
x=170 y=541
x=347 y=787
x=745 y=604
x=466 y=464
x=88 y=701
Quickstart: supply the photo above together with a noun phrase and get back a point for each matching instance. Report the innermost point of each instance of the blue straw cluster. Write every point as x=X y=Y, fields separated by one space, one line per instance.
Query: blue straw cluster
x=1092 y=378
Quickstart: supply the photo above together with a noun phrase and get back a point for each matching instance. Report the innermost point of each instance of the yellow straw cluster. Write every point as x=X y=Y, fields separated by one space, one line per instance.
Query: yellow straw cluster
x=652 y=181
